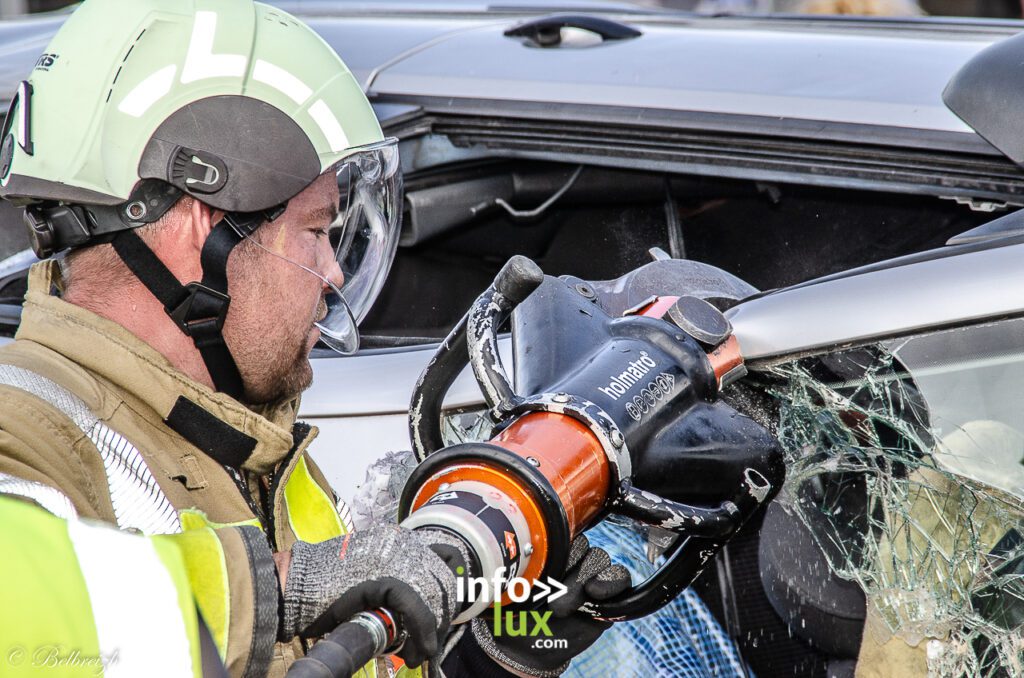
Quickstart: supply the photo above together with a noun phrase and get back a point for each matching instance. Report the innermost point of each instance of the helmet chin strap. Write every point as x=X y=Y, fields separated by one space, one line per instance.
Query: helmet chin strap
x=199 y=308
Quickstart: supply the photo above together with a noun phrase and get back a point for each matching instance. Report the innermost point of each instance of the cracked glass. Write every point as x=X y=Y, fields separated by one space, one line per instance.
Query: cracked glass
x=905 y=465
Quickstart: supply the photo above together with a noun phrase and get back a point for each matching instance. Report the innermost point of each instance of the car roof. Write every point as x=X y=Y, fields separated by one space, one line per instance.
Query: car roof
x=745 y=68
x=788 y=76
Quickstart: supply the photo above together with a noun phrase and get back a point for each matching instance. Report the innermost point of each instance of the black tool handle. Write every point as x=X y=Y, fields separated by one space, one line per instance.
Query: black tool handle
x=702 y=532
x=518 y=278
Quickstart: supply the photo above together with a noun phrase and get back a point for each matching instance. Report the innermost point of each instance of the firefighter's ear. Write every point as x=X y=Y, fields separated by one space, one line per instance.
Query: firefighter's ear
x=203 y=219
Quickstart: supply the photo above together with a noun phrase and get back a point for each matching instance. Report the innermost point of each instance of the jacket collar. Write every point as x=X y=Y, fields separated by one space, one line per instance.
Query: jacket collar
x=140 y=373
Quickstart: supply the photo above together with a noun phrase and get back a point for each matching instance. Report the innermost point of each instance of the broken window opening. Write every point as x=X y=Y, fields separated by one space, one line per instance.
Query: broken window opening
x=904 y=463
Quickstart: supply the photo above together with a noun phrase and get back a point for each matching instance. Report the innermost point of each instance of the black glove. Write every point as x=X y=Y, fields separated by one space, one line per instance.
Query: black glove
x=591 y=575
x=382 y=566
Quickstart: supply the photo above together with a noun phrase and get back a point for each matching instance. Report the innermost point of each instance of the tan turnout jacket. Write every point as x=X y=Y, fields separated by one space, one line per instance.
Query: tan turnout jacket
x=180 y=427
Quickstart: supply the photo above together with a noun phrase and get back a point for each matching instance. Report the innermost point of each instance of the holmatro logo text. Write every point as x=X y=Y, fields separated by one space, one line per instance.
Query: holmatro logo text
x=629 y=377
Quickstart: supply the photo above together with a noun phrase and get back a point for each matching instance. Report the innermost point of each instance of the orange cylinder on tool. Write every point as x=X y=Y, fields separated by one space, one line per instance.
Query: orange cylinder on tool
x=564 y=451
x=569 y=456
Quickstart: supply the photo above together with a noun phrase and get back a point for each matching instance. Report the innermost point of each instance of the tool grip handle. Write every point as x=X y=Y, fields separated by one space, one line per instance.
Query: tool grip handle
x=516 y=281
x=473 y=340
x=518 y=278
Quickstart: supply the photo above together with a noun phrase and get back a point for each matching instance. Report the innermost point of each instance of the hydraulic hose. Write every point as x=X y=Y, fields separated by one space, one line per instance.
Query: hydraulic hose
x=428 y=396
x=346 y=649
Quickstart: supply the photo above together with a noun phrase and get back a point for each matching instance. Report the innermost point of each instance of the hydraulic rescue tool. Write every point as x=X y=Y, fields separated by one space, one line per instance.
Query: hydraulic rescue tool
x=613 y=413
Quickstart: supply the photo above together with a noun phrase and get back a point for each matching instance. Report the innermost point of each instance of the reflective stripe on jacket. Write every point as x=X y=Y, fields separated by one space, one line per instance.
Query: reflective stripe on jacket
x=84 y=599
x=72 y=609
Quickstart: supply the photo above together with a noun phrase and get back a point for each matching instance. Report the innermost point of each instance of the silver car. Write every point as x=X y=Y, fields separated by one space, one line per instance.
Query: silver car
x=807 y=177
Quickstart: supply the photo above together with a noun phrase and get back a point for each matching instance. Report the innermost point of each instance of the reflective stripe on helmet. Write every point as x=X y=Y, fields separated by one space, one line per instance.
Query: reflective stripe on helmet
x=149 y=78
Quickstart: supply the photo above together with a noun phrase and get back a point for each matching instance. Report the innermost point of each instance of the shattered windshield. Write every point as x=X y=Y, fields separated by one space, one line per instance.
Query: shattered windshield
x=904 y=464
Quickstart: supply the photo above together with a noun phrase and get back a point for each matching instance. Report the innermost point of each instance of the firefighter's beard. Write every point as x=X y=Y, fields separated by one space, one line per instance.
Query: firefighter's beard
x=286 y=376
x=270 y=336
x=282 y=372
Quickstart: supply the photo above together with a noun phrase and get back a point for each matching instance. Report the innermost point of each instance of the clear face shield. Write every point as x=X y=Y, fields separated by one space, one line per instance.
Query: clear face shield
x=359 y=244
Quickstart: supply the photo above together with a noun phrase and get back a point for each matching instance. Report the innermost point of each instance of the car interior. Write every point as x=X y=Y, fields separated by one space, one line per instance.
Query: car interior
x=462 y=222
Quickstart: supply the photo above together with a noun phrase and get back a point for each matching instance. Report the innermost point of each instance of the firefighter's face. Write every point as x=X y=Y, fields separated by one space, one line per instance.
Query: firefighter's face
x=275 y=302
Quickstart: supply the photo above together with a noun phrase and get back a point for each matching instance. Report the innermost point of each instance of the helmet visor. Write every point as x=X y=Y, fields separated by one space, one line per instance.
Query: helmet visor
x=360 y=243
x=365 y=234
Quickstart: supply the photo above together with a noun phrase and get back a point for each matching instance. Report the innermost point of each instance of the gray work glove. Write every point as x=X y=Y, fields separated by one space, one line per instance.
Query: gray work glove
x=381 y=566
x=591 y=575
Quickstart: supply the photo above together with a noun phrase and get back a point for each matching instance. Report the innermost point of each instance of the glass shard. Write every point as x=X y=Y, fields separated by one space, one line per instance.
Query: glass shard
x=904 y=462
